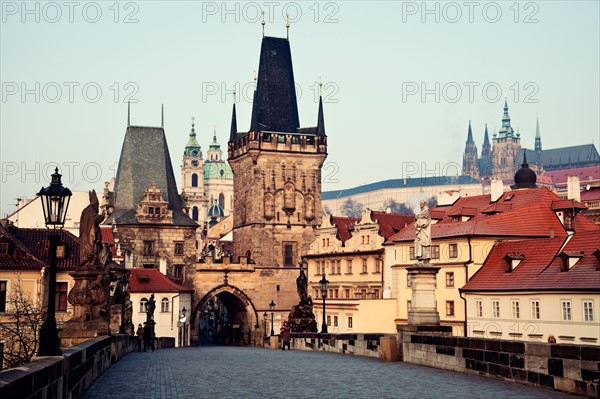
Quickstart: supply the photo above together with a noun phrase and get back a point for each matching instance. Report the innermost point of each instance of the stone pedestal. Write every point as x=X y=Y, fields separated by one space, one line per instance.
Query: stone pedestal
x=274 y=341
x=423 y=305
x=302 y=318
x=90 y=297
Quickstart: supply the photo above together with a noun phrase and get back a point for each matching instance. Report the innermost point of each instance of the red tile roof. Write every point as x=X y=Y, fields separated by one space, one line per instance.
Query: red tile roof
x=517 y=213
x=32 y=245
x=344 y=226
x=560 y=177
x=565 y=204
x=152 y=280
x=591 y=195
x=109 y=238
x=391 y=223
x=542 y=268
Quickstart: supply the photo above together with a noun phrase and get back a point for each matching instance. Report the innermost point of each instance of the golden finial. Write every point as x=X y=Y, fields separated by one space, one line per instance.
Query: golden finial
x=193 y=121
x=287 y=25
x=234 y=96
x=320 y=87
x=254 y=70
x=263 y=23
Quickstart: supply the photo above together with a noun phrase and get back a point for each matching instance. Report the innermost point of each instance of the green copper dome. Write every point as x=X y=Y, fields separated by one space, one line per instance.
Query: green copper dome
x=217 y=170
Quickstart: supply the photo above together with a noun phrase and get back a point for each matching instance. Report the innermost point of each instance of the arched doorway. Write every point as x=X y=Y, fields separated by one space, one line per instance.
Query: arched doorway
x=225 y=315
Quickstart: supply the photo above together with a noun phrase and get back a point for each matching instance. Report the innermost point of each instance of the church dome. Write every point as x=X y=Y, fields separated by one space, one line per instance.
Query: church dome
x=215 y=211
x=525 y=177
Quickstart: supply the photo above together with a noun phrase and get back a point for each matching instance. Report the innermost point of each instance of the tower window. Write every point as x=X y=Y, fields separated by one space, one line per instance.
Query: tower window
x=194 y=180
x=222 y=201
x=195 y=214
x=288 y=254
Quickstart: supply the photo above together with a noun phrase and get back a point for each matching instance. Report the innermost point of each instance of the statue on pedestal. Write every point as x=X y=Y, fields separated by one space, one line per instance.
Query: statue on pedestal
x=302 y=318
x=423 y=233
x=150 y=306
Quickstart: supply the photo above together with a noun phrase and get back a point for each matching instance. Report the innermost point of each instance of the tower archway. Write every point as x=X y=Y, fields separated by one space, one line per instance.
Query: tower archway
x=228 y=316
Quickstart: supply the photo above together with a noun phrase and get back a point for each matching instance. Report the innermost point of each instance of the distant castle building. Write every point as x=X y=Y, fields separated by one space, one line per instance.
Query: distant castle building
x=502 y=159
x=207 y=184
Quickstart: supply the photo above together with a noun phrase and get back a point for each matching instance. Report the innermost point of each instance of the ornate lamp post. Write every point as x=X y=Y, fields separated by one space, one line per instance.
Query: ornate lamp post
x=183 y=321
x=324 y=283
x=272 y=307
x=55 y=201
x=124 y=283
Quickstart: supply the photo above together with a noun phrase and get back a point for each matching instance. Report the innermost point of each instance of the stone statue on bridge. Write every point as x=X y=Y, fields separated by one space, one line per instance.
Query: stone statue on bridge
x=423 y=233
x=302 y=318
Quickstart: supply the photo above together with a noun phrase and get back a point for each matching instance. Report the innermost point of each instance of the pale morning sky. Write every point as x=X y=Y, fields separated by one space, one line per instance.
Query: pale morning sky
x=401 y=80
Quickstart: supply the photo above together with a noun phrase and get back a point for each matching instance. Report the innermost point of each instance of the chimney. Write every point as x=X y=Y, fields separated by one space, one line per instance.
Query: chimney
x=573 y=189
x=497 y=189
x=163 y=266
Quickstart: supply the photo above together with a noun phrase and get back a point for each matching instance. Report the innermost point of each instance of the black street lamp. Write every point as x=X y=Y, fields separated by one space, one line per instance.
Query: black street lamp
x=324 y=283
x=272 y=307
x=55 y=201
x=124 y=283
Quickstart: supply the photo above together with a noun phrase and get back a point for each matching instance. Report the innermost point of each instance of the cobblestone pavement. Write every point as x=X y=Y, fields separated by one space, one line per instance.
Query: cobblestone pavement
x=244 y=372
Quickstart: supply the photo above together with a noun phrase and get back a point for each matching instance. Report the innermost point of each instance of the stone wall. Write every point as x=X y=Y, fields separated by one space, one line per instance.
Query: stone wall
x=350 y=344
x=568 y=368
x=67 y=376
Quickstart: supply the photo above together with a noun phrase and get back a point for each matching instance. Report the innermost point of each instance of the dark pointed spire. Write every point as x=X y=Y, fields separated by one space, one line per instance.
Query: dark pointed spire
x=486 y=149
x=275 y=107
x=320 y=119
x=506 y=130
x=254 y=119
x=233 y=131
x=538 y=137
x=470 y=134
x=128 y=114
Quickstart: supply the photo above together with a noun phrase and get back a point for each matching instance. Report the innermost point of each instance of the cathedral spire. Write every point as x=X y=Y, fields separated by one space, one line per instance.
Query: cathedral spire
x=320 y=117
x=233 y=131
x=470 y=134
x=506 y=130
x=486 y=149
x=538 y=137
x=193 y=148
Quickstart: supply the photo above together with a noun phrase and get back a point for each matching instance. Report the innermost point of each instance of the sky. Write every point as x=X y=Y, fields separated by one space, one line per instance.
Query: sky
x=401 y=80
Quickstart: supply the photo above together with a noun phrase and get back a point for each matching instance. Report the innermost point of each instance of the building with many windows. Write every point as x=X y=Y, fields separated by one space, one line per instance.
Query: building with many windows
x=530 y=290
x=463 y=233
x=350 y=253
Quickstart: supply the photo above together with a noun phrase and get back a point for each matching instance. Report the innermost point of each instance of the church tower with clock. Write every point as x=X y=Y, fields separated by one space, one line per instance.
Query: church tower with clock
x=192 y=179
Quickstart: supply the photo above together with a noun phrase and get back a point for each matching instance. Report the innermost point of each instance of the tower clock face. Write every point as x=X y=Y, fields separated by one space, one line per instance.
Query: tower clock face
x=195 y=163
x=195 y=152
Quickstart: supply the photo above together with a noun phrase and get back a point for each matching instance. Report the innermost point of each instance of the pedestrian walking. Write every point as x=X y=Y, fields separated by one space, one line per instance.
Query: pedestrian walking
x=140 y=337
x=286 y=336
x=148 y=337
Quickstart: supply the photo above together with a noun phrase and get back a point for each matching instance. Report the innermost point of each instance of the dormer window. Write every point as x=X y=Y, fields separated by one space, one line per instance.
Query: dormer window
x=61 y=251
x=513 y=260
x=509 y=197
x=570 y=259
x=568 y=220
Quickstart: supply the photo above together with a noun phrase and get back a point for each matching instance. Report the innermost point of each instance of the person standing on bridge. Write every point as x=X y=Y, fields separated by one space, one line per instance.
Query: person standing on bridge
x=140 y=337
x=286 y=336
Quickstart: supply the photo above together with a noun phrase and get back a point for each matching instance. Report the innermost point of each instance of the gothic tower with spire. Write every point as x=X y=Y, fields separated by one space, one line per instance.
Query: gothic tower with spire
x=506 y=147
x=470 y=165
x=192 y=179
x=277 y=168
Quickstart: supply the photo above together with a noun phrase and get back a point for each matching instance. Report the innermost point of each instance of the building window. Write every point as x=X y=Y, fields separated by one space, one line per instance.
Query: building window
x=328 y=320
x=408 y=280
x=349 y=266
x=148 y=247
x=335 y=321
x=178 y=248
x=364 y=266
x=569 y=220
x=194 y=180
x=478 y=308
x=339 y=266
x=376 y=293
x=2 y=296
x=195 y=214
x=60 y=251
x=222 y=201
x=3 y=248
x=449 y=279
x=449 y=308
x=535 y=310
x=411 y=253
x=516 y=310
x=435 y=252
x=588 y=311
x=377 y=266
x=164 y=305
x=143 y=303
x=288 y=254
x=566 y=310
x=349 y=321
x=178 y=272
x=61 y=296
x=453 y=250
x=408 y=306
x=496 y=309
x=347 y=293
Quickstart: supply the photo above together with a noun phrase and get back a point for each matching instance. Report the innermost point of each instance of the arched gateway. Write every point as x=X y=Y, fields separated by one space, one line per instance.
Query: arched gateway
x=228 y=314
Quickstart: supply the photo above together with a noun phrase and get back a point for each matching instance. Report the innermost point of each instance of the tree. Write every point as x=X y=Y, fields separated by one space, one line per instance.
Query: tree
x=431 y=202
x=19 y=328
x=397 y=207
x=351 y=208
